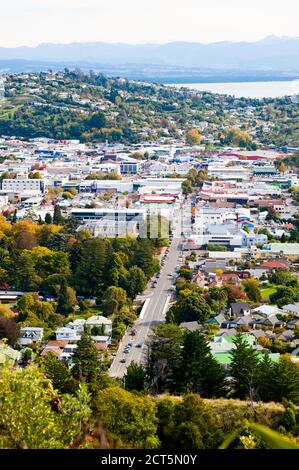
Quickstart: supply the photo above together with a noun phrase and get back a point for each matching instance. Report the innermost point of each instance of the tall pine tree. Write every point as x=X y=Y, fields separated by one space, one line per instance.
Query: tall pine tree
x=57 y=216
x=64 y=301
x=200 y=371
x=243 y=368
x=87 y=364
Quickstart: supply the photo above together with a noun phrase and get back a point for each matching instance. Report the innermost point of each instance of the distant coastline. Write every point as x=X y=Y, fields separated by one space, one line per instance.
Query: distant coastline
x=258 y=89
x=153 y=73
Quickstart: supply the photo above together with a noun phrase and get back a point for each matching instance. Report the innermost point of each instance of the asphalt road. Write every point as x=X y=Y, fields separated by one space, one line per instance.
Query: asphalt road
x=154 y=311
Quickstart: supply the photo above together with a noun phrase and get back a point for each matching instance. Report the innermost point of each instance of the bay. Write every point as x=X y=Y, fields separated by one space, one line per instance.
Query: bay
x=275 y=89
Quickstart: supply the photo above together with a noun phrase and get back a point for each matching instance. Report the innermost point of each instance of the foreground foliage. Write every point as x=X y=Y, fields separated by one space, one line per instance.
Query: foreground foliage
x=35 y=415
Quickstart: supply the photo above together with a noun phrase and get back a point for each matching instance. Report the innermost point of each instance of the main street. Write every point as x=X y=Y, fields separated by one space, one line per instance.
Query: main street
x=155 y=305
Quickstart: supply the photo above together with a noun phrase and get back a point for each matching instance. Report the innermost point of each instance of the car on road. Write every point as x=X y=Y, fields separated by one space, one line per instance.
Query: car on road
x=139 y=345
x=123 y=361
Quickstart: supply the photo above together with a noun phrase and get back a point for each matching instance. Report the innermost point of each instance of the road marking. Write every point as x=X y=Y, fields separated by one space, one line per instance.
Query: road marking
x=144 y=307
x=166 y=305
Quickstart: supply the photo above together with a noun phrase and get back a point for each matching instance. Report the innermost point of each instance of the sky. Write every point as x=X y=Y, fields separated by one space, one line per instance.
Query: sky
x=31 y=22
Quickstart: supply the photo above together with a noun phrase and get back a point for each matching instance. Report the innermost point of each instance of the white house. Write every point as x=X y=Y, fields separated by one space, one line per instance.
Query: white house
x=267 y=310
x=101 y=322
x=68 y=334
x=77 y=325
x=30 y=334
x=292 y=309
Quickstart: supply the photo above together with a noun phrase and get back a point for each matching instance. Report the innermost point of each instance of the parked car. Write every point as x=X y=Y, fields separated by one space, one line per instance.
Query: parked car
x=123 y=361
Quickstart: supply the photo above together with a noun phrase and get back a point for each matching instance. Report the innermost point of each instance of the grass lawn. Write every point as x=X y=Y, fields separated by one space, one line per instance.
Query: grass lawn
x=95 y=310
x=267 y=292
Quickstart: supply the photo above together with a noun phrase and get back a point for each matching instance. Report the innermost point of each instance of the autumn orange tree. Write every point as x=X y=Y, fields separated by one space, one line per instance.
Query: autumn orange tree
x=193 y=137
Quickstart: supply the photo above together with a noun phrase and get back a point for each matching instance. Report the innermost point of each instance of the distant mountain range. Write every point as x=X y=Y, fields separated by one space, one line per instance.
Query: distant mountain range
x=270 y=55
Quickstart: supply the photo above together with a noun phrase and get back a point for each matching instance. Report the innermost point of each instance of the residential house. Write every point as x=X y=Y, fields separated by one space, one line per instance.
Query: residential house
x=292 y=309
x=239 y=309
x=227 y=332
x=7 y=297
x=270 y=321
x=220 y=344
x=220 y=321
x=63 y=350
x=286 y=337
x=30 y=335
x=191 y=325
x=293 y=324
x=101 y=342
x=54 y=347
x=77 y=325
x=68 y=334
x=103 y=324
x=8 y=355
x=267 y=310
x=246 y=320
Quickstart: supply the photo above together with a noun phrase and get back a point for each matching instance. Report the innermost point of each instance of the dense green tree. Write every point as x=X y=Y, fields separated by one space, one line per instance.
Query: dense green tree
x=163 y=361
x=58 y=242
x=116 y=270
x=285 y=381
x=264 y=375
x=134 y=282
x=188 y=424
x=90 y=265
x=59 y=374
x=22 y=273
x=97 y=120
x=129 y=419
x=186 y=187
x=27 y=306
x=243 y=368
x=48 y=218
x=289 y=419
x=283 y=277
x=88 y=366
x=64 y=301
x=58 y=218
x=33 y=415
x=113 y=300
x=239 y=138
x=143 y=257
x=48 y=262
x=191 y=308
x=285 y=295
x=134 y=379
x=200 y=372
x=50 y=286
x=252 y=289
